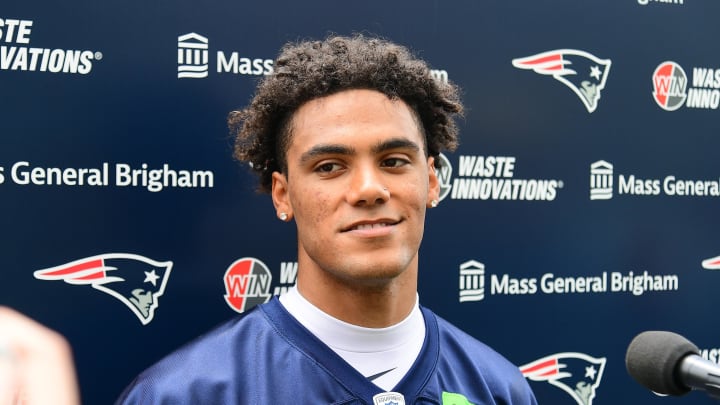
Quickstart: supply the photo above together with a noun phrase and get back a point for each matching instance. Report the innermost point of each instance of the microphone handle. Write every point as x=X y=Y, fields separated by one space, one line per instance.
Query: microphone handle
x=698 y=373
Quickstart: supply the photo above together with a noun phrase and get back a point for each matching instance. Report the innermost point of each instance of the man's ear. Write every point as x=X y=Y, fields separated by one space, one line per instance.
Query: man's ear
x=433 y=184
x=281 y=196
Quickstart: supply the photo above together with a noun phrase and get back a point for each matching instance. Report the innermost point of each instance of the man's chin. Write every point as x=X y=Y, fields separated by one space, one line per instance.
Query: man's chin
x=373 y=274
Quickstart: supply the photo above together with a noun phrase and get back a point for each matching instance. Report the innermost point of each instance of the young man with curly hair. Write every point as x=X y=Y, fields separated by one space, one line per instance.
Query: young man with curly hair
x=344 y=136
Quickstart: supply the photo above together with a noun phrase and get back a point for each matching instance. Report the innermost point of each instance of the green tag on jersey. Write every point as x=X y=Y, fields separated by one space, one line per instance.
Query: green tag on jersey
x=450 y=398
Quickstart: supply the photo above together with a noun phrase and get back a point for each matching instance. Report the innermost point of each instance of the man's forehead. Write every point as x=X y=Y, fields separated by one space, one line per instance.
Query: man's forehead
x=337 y=112
x=347 y=98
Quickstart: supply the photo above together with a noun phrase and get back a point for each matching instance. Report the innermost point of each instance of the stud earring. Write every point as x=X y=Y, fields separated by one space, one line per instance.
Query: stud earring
x=283 y=216
x=434 y=203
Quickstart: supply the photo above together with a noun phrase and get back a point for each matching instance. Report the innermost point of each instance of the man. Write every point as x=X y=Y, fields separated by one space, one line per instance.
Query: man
x=344 y=136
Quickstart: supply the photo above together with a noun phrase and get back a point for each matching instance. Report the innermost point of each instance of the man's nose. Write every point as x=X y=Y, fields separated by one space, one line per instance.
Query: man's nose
x=367 y=186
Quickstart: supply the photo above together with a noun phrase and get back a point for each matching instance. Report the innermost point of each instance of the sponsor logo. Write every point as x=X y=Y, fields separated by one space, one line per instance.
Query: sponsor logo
x=192 y=56
x=248 y=282
x=472 y=281
x=444 y=175
x=492 y=178
x=712 y=355
x=584 y=73
x=575 y=373
x=389 y=398
x=473 y=286
x=712 y=263
x=601 y=184
x=669 y=2
x=439 y=75
x=194 y=60
x=669 y=86
x=24 y=173
x=135 y=280
x=601 y=180
x=672 y=89
x=452 y=398
x=16 y=53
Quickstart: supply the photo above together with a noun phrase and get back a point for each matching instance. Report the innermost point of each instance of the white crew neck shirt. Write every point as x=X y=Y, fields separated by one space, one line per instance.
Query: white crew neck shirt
x=383 y=355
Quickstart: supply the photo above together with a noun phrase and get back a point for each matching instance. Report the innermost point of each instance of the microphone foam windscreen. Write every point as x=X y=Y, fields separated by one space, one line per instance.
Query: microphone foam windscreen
x=652 y=359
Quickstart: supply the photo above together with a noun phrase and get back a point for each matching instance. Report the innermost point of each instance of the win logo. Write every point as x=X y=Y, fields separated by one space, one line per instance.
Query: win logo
x=247 y=284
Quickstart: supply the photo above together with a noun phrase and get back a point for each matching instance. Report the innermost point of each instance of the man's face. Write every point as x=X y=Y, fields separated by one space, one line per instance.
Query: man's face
x=357 y=184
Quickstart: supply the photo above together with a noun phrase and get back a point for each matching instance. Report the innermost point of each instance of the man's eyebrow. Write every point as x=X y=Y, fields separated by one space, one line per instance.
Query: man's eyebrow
x=325 y=149
x=337 y=149
x=395 y=143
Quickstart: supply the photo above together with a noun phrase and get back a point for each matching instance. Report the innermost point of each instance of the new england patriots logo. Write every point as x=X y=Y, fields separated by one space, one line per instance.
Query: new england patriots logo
x=575 y=373
x=133 y=279
x=712 y=263
x=584 y=73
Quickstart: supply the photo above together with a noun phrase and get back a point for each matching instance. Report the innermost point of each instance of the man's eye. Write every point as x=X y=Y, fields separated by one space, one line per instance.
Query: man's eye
x=327 y=167
x=394 y=162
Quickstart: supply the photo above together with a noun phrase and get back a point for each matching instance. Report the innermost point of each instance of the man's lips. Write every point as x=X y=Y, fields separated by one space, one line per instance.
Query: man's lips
x=370 y=225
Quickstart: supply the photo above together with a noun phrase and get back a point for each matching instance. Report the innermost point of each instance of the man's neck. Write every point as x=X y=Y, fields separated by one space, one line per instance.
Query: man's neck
x=376 y=304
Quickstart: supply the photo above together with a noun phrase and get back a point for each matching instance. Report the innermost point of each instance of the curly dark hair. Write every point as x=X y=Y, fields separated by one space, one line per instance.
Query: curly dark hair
x=312 y=69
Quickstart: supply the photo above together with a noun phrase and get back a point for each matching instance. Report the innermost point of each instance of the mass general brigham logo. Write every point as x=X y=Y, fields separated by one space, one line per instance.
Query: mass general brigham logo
x=193 y=60
x=192 y=56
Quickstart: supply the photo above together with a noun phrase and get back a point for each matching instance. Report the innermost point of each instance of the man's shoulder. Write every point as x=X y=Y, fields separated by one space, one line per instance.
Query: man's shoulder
x=468 y=360
x=211 y=356
x=225 y=334
x=458 y=345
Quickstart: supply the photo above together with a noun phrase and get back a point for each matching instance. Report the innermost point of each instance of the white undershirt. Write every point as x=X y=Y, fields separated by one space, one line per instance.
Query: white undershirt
x=369 y=350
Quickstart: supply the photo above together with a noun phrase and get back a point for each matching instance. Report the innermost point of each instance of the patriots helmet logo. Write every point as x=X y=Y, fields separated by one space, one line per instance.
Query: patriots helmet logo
x=584 y=73
x=135 y=280
x=712 y=263
x=575 y=373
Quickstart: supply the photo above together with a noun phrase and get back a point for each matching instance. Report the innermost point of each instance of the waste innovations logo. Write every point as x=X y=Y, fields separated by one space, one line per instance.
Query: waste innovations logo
x=474 y=287
x=584 y=73
x=193 y=60
x=671 y=92
x=23 y=173
x=578 y=374
x=603 y=184
x=248 y=281
x=491 y=178
x=135 y=280
x=17 y=54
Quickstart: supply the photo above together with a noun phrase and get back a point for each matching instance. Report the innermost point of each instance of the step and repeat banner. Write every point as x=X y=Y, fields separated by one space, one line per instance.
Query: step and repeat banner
x=580 y=209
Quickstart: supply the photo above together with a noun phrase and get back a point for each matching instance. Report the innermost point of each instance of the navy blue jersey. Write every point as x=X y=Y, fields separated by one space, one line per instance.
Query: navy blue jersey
x=265 y=356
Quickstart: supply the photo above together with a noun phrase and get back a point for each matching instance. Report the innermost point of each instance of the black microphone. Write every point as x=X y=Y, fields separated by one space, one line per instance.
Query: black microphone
x=669 y=364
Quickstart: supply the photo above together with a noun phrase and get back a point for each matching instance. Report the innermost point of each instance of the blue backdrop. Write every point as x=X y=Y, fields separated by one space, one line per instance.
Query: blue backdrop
x=580 y=209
